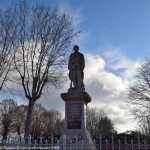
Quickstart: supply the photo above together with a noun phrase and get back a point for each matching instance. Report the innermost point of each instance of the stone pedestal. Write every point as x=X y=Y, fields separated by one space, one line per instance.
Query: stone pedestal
x=75 y=116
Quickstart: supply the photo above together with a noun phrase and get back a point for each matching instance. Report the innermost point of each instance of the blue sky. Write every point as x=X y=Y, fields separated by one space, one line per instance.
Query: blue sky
x=115 y=23
x=108 y=23
x=115 y=37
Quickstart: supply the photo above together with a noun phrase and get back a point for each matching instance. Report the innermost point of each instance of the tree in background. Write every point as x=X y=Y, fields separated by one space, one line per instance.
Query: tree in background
x=47 y=122
x=98 y=122
x=52 y=123
x=42 y=41
x=139 y=95
x=7 y=117
x=144 y=125
x=19 y=119
x=44 y=122
x=36 y=123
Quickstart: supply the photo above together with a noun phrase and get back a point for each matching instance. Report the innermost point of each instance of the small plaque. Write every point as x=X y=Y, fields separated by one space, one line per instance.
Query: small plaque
x=74 y=116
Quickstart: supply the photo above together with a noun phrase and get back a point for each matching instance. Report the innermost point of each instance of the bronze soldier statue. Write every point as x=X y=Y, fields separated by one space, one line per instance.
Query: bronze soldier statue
x=76 y=66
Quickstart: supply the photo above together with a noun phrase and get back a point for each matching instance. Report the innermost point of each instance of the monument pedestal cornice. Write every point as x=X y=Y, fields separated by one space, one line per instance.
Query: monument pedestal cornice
x=76 y=96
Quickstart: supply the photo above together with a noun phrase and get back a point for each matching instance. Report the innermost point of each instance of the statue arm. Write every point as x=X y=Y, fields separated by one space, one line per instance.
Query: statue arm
x=83 y=62
x=69 y=64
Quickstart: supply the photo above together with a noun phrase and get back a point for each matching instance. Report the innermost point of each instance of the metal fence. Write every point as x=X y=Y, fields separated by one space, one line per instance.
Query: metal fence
x=113 y=142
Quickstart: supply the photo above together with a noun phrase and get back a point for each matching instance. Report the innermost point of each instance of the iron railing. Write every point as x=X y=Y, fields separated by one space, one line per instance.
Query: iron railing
x=113 y=142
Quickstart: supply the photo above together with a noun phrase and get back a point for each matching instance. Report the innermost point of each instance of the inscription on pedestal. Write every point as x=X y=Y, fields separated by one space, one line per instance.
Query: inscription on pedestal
x=73 y=116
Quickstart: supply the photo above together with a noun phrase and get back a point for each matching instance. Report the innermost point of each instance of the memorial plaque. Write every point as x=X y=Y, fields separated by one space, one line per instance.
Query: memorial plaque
x=74 y=116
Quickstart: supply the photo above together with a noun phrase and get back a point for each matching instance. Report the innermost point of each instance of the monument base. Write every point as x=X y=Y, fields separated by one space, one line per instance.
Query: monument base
x=75 y=121
x=78 y=140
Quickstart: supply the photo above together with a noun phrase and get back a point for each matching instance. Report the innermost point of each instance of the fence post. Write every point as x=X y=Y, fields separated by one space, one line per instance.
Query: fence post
x=132 y=144
x=138 y=141
x=106 y=144
x=125 y=141
x=19 y=141
x=64 y=142
x=112 y=139
x=145 y=143
x=119 y=143
x=29 y=142
x=100 y=141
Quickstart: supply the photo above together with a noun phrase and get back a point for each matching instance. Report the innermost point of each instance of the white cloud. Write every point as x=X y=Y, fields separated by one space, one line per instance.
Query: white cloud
x=94 y=64
x=117 y=60
x=108 y=91
x=96 y=71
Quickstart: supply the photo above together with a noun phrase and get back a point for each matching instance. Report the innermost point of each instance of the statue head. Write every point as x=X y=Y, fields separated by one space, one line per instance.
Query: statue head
x=76 y=48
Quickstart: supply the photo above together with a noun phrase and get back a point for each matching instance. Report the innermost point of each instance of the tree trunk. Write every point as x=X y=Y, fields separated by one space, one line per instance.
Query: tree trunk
x=28 y=119
x=19 y=131
x=5 y=134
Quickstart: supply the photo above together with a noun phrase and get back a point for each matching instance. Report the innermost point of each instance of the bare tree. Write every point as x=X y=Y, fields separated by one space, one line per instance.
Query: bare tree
x=144 y=125
x=6 y=44
x=36 y=123
x=139 y=93
x=52 y=122
x=42 y=41
x=19 y=119
x=98 y=122
x=7 y=113
x=45 y=122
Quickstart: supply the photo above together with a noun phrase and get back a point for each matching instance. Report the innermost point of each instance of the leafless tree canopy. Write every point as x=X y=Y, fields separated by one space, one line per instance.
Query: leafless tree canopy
x=7 y=117
x=39 y=39
x=6 y=45
x=144 y=125
x=19 y=119
x=139 y=93
x=43 y=40
x=53 y=122
x=98 y=122
x=44 y=122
